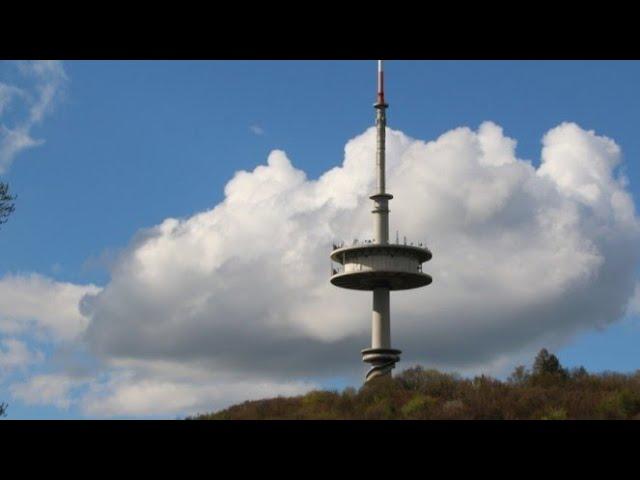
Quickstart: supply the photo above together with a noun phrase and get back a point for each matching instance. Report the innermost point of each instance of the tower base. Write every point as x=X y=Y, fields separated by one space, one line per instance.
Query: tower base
x=382 y=361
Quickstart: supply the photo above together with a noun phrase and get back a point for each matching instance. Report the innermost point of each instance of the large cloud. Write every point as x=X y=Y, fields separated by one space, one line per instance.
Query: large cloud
x=235 y=301
x=522 y=257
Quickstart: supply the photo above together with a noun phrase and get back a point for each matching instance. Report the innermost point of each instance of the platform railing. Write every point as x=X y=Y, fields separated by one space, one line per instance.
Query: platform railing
x=358 y=243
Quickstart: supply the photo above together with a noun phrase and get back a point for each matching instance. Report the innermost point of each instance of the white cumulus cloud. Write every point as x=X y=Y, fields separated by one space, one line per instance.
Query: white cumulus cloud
x=523 y=257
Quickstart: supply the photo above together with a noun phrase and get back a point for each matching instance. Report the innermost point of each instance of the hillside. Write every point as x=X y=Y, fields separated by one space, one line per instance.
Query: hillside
x=547 y=391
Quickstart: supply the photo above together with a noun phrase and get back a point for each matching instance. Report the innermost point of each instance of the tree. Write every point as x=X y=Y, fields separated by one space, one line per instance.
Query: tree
x=547 y=364
x=519 y=376
x=3 y=409
x=6 y=203
x=578 y=373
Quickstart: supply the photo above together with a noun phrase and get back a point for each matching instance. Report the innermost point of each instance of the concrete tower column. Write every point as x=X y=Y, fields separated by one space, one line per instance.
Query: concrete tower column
x=381 y=219
x=380 y=325
x=380 y=328
x=381 y=356
x=379 y=266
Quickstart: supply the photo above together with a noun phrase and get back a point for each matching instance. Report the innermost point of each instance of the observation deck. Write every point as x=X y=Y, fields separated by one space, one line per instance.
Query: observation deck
x=369 y=265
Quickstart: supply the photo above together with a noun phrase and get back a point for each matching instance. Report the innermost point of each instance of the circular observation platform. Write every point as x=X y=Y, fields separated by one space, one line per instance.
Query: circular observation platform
x=370 y=266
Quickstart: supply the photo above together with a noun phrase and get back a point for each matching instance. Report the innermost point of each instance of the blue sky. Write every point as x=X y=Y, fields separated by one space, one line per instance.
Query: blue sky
x=132 y=143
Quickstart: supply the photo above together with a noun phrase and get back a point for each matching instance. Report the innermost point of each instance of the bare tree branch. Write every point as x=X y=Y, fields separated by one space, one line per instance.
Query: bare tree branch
x=7 y=205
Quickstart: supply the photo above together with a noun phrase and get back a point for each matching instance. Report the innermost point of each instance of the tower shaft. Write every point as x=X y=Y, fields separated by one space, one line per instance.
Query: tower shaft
x=381 y=318
x=380 y=266
x=381 y=356
x=380 y=322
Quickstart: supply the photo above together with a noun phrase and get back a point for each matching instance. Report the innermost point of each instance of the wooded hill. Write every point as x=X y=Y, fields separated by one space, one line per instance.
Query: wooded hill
x=546 y=391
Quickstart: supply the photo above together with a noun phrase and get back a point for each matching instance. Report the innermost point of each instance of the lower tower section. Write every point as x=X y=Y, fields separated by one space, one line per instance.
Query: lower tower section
x=380 y=269
x=381 y=356
x=382 y=361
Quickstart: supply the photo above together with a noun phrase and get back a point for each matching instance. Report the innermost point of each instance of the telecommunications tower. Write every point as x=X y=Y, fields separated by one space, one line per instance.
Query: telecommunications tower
x=377 y=265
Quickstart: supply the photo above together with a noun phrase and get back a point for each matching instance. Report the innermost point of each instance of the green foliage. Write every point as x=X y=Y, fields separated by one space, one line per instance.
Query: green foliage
x=381 y=409
x=420 y=406
x=546 y=363
x=3 y=409
x=547 y=370
x=620 y=404
x=429 y=381
x=610 y=409
x=547 y=392
x=555 y=414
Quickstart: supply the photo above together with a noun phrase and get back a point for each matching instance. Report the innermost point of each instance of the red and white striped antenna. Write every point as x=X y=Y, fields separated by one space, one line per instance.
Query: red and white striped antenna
x=380 y=82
